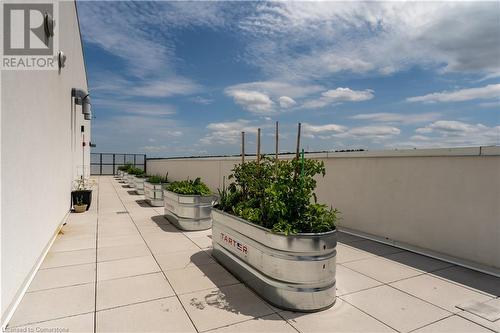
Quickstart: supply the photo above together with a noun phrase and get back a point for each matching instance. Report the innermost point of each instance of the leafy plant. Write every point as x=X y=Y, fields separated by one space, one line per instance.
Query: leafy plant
x=158 y=179
x=278 y=195
x=125 y=167
x=135 y=171
x=189 y=187
x=83 y=184
x=79 y=200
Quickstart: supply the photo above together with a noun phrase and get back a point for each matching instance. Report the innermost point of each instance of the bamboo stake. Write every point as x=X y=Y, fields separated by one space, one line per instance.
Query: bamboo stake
x=277 y=141
x=298 y=143
x=258 y=146
x=242 y=147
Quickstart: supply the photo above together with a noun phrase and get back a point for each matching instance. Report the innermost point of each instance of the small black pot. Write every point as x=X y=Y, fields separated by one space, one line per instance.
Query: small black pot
x=85 y=195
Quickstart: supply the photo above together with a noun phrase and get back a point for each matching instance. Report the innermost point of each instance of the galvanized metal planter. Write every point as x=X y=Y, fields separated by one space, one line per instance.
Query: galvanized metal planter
x=154 y=194
x=188 y=212
x=295 y=272
x=130 y=180
x=139 y=184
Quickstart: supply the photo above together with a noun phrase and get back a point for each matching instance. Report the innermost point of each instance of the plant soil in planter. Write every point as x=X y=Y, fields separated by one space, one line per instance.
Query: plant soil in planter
x=188 y=212
x=79 y=208
x=293 y=272
x=84 y=195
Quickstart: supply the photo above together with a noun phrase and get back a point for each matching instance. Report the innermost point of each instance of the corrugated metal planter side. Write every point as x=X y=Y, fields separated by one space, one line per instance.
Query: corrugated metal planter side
x=139 y=184
x=130 y=181
x=294 y=272
x=154 y=194
x=188 y=212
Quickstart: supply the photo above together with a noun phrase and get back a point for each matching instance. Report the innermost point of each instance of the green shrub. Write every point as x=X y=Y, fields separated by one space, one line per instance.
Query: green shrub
x=278 y=196
x=158 y=179
x=189 y=187
x=125 y=167
x=136 y=171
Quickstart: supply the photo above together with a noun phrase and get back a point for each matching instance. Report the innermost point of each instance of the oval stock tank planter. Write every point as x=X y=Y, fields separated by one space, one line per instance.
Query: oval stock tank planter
x=188 y=212
x=130 y=181
x=139 y=184
x=154 y=194
x=294 y=272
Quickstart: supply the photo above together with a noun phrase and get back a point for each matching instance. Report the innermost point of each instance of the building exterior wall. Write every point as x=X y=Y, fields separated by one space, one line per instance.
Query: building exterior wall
x=41 y=154
x=442 y=202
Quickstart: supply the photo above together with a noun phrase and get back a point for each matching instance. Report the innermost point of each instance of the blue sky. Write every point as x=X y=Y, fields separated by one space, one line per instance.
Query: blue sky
x=185 y=78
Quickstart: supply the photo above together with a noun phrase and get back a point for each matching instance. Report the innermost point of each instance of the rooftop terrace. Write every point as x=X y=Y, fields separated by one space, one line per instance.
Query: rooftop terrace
x=122 y=267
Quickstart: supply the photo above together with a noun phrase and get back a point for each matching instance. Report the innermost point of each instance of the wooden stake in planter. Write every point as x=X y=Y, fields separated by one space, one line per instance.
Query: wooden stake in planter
x=298 y=143
x=242 y=147
x=277 y=143
x=297 y=156
x=258 y=146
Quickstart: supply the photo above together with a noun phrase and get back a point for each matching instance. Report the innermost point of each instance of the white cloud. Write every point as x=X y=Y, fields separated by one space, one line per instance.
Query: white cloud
x=397 y=117
x=339 y=95
x=382 y=37
x=133 y=107
x=453 y=128
x=486 y=92
x=263 y=96
x=286 y=102
x=228 y=132
x=277 y=88
x=494 y=104
x=451 y=133
x=202 y=100
x=252 y=101
x=348 y=95
x=458 y=133
x=310 y=131
x=371 y=132
x=330 y=131
x=165 y=88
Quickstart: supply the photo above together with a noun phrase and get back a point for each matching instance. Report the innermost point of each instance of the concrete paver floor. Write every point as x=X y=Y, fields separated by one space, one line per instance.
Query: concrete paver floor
x=122 y=267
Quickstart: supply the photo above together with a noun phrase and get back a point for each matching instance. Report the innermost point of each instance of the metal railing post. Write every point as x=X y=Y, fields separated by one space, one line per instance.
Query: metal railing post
x=100 y=164
x=145 y=172
x=114 y=165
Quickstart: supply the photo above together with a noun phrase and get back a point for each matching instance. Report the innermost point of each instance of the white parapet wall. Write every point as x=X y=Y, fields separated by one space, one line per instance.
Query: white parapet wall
x=41 y=155
x=440 y=202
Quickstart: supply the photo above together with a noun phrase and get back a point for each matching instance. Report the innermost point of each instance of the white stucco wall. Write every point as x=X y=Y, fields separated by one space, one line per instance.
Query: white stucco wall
x=442 y=202
x=41 y=154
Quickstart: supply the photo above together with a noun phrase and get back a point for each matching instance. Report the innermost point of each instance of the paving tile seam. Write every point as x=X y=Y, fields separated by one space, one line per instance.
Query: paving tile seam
x=133 y=303
x=453 y=315
x=247 y=320
x=462 y=285
x=164 y=275
x=191 y=265
x=96 y=248
x=108 y=260
x=403 y=291
x=213 y=288
x=84 y=248
x=60 y=287
x=123 y=259
x=286 y=321
x=66 y=265
x=129 y=276
x=382 y=282
x=472 y=290
x=459 y=314
x=368 y=314
x=46 y=320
